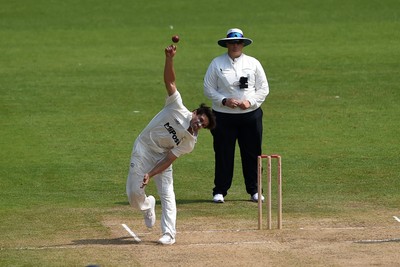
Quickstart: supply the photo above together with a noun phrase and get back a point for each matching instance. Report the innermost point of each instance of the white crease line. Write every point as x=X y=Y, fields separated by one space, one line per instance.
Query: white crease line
x=137 y=239
x=230 y=243
x=43 y=248
x=333 y=228
x=396 y=218
x=217 y=231
x=378 y=240
x=152 y=244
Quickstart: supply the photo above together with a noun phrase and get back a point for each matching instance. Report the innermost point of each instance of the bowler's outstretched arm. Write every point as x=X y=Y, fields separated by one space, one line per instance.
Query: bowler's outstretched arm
x=169 y=72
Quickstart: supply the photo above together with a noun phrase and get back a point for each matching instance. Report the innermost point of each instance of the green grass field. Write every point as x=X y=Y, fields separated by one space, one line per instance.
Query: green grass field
x=80 y=79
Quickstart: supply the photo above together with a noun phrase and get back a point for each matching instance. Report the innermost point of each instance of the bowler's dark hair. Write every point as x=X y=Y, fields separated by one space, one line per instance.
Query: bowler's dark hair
x=203 y=109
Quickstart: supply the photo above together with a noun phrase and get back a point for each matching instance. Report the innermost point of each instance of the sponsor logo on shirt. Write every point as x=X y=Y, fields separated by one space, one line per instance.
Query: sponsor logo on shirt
x=172 y=131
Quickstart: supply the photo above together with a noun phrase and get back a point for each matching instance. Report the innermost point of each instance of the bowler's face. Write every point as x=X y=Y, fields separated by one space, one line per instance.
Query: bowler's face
x=199 y=121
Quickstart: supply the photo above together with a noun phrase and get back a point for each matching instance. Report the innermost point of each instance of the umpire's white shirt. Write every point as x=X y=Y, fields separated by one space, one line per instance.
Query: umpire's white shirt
x=222 y=81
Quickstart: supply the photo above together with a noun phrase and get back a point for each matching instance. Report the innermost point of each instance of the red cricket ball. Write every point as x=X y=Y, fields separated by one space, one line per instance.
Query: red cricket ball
x=175 y=38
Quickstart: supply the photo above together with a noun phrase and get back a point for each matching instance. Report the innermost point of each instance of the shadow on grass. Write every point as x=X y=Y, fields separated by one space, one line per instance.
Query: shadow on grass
x=127 y=240
x=97 y=242
x=190 y=201
x=104 y=241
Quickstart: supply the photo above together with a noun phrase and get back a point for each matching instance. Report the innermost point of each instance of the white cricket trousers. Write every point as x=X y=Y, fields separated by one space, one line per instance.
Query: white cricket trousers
x=142 y=161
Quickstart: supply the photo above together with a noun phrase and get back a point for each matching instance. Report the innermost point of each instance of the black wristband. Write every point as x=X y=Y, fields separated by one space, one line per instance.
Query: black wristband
x=224 y=101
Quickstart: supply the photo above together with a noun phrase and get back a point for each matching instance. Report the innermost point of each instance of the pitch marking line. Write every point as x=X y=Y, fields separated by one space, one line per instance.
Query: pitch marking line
x=230 y=243
x=333 y=228
x=151 y=244
x=396 y=218
x=370 y=241
x=137 y=239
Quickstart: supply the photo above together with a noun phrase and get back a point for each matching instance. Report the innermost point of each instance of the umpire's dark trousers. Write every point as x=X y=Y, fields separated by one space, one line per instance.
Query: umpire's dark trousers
x=247 y=129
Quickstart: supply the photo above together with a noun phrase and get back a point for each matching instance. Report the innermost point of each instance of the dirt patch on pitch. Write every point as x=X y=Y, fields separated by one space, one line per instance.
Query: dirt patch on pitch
x=361 y=241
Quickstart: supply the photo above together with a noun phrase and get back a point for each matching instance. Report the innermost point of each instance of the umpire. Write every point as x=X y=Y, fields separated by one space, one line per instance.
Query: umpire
x=237 y=86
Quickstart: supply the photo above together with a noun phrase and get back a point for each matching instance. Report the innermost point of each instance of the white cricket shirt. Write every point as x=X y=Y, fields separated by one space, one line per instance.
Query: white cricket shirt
x=222 y=81
x=167 y=131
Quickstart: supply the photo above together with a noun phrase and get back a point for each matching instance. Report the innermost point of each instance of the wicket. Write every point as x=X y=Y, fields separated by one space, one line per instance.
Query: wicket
x=269 y=182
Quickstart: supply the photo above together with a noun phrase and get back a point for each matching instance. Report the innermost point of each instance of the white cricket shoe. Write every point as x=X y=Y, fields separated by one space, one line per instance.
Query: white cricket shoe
x=150 y=214
x=218 y=198
x=254 y=198
x=166 y=239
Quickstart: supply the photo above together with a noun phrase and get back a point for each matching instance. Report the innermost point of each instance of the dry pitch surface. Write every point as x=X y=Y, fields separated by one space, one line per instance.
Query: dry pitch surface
x=362 y=240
